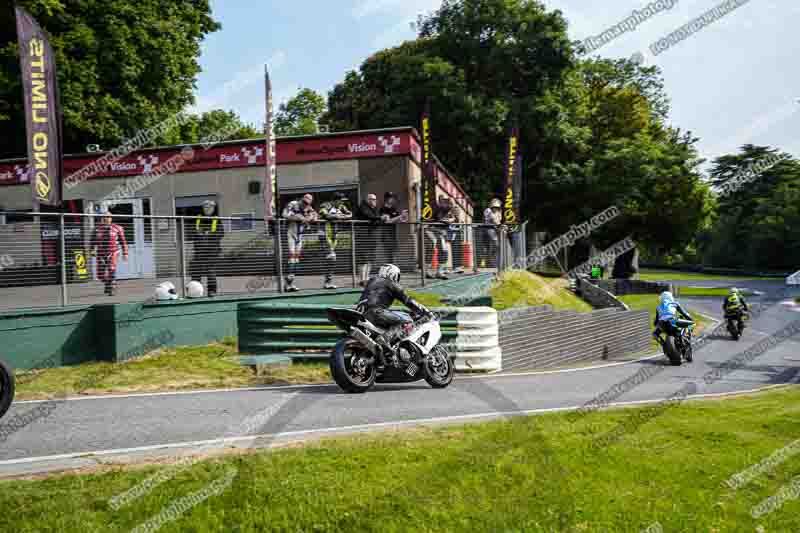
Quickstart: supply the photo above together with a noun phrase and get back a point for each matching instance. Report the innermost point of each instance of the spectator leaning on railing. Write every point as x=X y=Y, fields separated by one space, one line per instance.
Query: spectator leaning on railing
x=368 y=210
x=299 y=213
x=390 y=215
x=333 y=211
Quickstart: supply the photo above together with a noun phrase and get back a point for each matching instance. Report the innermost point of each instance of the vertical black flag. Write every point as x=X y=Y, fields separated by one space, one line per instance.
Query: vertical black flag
x=428 y=183
x=42 y=110
x=271 y=178
x=513 y=179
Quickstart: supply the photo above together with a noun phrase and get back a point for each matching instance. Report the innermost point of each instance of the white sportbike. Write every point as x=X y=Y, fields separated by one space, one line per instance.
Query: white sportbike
x=357 y=357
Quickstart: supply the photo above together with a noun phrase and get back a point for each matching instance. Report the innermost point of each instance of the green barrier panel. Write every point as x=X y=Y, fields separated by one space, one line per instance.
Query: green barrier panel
x=303 y=334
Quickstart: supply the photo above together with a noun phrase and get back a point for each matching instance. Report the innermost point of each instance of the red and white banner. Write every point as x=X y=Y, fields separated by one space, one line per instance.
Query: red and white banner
x=245 y=154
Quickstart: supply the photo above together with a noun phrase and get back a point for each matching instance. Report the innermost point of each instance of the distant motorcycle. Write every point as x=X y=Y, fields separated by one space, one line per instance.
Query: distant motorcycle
x=677 y=342
x=6 y=388
x=733 y=319
x=355 y=359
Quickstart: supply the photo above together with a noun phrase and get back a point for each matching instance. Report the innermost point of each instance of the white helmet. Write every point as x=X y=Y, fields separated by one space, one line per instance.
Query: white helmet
x=194 y=289
x=390 y=272
x=166 y=291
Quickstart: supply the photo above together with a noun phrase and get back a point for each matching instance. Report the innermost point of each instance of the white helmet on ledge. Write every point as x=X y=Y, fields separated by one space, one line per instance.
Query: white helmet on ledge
x=166 y=291
x=194 y=289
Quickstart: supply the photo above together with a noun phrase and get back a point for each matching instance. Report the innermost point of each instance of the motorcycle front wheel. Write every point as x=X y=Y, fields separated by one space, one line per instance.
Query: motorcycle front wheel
x=6 y=388
x=351 y=368
x=439 y=368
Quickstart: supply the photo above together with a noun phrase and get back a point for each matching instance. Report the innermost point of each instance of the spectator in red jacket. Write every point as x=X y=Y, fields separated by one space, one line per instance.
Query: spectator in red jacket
x=107 y=243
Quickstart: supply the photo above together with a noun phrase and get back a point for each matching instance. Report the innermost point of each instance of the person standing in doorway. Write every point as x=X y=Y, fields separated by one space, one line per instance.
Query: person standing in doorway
x=107 y=244
x=208 y=234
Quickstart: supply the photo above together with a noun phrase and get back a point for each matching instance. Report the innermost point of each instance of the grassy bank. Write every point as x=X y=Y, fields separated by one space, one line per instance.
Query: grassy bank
x=529 y=474
x=519 y=289
x=181 y=368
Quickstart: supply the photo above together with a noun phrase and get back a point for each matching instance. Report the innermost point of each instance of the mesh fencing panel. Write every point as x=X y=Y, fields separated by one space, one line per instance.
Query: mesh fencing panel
x=124 y=260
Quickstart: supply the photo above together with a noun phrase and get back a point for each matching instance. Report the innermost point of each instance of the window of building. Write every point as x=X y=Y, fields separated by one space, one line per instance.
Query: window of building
x=247 y=222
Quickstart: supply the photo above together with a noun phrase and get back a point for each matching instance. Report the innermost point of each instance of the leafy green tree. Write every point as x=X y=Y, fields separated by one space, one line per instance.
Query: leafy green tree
x=593 y=132
x=301 y=114
x=123 y=65
x=476 y=60
x=757 y=225
x=216 y=125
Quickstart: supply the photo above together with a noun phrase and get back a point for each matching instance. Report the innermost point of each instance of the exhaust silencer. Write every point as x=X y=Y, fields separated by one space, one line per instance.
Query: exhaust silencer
x=368 y=343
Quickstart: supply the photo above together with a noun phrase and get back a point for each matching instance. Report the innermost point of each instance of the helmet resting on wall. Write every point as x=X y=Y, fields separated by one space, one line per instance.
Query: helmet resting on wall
x=194 y=289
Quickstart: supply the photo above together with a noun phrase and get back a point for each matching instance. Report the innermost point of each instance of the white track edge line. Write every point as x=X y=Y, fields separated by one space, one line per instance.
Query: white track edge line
x=495 y=414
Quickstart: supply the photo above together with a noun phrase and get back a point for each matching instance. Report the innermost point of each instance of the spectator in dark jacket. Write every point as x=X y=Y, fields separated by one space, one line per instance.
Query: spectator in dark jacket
x=391 y=215
x=368 y=243
x=208 y=235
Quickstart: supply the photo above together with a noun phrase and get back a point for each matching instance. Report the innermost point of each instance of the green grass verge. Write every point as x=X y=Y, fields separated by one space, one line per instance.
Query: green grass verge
x=482 y=477
x=180 y=368
x=519 y=289
x=659 y=275
x=700 y=291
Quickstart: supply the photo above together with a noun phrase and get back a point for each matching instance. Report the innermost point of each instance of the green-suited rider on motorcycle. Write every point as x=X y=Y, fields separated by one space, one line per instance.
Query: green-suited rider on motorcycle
x=735 y=306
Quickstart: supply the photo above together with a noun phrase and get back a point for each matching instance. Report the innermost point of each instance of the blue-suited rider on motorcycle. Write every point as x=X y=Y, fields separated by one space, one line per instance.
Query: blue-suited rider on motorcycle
x=379 y=294
x=667 y=314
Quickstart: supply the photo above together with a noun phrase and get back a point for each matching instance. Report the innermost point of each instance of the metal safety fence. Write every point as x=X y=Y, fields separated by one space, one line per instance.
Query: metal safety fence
x=55 y=259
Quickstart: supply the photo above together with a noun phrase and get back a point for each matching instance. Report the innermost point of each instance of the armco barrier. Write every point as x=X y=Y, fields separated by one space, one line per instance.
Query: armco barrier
x=622 y=287
x=302 y=331
x=541 y=337
x=598 y=297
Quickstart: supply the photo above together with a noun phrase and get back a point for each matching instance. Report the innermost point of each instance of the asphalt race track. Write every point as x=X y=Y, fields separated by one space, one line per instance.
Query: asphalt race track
x=102 y=430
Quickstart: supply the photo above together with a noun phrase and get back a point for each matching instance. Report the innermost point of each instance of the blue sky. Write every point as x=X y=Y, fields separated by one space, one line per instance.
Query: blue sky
x=733 y=82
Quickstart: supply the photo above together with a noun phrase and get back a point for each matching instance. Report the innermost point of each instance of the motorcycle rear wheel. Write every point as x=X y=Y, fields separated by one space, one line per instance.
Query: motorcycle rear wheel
x=439 y=368
x=6 y=388
x=349 y=369
x=733 y=328
x=671 y=351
